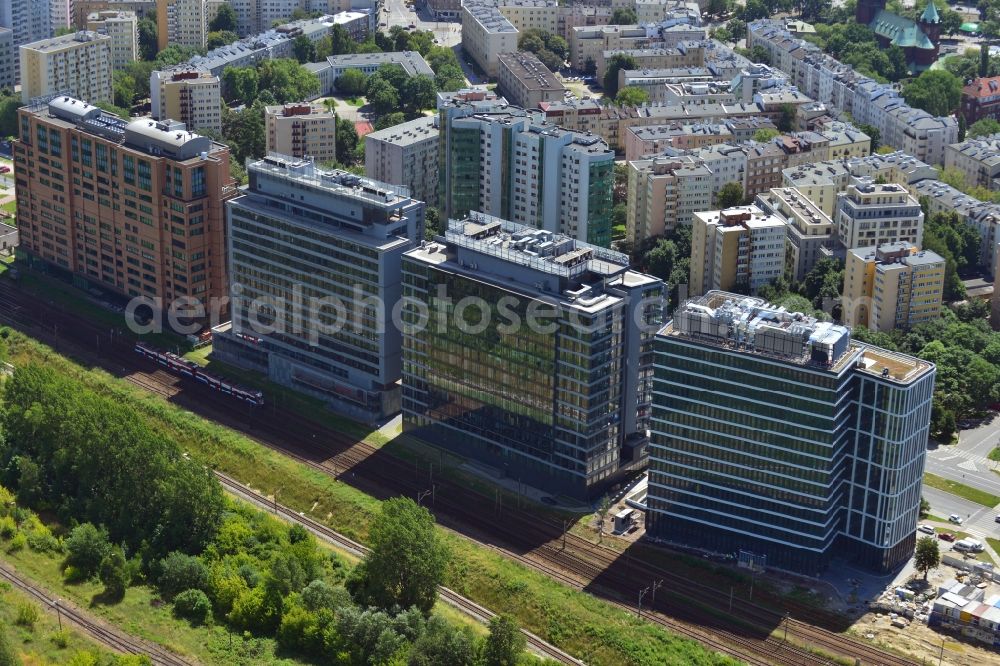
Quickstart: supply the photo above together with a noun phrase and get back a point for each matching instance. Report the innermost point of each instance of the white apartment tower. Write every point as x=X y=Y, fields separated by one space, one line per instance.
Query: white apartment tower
x=123 y=29
x=870 y=214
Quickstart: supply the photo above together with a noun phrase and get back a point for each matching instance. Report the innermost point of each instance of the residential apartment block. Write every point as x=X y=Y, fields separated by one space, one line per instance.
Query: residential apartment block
x=777 y=437
x=301 y=130
x=29 y=21
x=562 y=406
x=664 y=192
x=810 y=230
x=981 y=99
x=406 y=155
x=133 y=207
x=78 y=64
x=191 y=96
x=983 y=216
x=182 y=22
x=978 y=159
x=740 y=248
x=826 y=80
x=314 y=260
x=486 y=33
x=122 y=28
x=81 y=9
x=890 y=286
x=509 y=162
x=874 y=214
x=9 y=71
x=652 y=139
x=526 y=82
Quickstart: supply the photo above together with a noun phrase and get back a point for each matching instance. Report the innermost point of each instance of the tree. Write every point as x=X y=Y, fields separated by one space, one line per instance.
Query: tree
x=505 y=642
x=245 y=131
x=147 y=35
x=240 y=84
x=382 y=97
x=113 y=573
x=347 y=141
x=963 y=127
x=936 y=91
x=193 y=606
x=341 y=42
x=813 y=9
x=86 y=547
x=764 y=135
x=927 y=555
x=304 y=49
x=925 y=507
x=753 y=10
x=632 y=96
x=717 y=7
x=729 y=195
x=287 y=80
x=406 y=562
x=389 y=120
x=602 y=515
x=124 y=88
x=179 y=572
x=418 y=93
x=225 y=19
x=352 y=82
x=722 y=34
x=443 y=644
x=623 y=16
x=214 y=40
x=8 y=655
x=787 y=119
x=759 y=55
x=589 y=66
x=617 y=62
x=984 y=127
x=737 y=29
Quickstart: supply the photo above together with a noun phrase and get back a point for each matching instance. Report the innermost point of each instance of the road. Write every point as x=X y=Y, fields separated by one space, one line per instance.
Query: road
x=395 y=12
x=967 y=461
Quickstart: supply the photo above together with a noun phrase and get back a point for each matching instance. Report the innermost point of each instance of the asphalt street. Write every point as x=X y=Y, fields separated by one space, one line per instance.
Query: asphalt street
x=967 y=461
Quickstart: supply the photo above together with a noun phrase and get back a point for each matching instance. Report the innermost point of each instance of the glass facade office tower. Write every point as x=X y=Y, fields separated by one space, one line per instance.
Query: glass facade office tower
x=314 y=260
x=774 y=433
x=530 y=351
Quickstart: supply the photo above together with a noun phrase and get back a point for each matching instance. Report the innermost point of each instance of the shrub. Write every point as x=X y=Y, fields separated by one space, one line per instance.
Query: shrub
x=113 y=573
x=179 y=572
x=82 y=659
x=60 y=639
x=17 y=543
x=193 y=605
x=86 y=546
x=8 y=528
x=26 y=615
x=72 y=574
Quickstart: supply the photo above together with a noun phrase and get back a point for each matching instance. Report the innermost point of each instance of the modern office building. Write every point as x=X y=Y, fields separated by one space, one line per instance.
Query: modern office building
x=664 y=192
x=896 y=285
x=314 y=261
x=133 y=207
x=122 y=28
x=874 y=214
x=78 y=64
x=778 y=438
x=810 y=230
x=737 y=249
x=407 y=155
x=529 y=351
x=512 y=164
x=301 y=130
x=191 y=96
x=526 y=82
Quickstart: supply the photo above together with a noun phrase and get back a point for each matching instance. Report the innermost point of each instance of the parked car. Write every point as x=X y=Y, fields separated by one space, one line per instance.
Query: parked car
x=955 y=518
x=997 y=519
x=926 y=529
x=946 y=536
x=4 y=169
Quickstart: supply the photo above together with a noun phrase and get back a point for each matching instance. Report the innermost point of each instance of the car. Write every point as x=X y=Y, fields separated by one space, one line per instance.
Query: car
x=4 y=169
x=997 y=519
x=946 y=536
x=926 y=529
x=955 y=518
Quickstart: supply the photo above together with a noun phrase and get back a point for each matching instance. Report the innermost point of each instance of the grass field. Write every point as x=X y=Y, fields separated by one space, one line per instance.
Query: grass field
x=41 y=643
x=593 y=630
x=995 y=454
x=962 y=490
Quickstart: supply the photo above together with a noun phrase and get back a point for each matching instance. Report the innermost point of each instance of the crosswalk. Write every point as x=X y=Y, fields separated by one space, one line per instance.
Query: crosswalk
x=970 y=462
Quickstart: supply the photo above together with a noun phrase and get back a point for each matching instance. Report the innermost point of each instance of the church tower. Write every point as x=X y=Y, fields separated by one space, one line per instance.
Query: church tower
x=867 y=9
x=930 y=23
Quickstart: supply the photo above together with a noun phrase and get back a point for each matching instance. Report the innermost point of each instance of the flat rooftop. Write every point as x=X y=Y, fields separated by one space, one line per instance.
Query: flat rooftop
x=530 y=72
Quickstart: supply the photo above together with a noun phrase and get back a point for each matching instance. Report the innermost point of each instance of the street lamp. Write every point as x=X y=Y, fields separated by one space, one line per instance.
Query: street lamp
x=421 y=496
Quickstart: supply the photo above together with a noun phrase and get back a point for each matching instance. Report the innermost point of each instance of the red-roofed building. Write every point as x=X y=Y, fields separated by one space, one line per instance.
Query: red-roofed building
x=981 y=99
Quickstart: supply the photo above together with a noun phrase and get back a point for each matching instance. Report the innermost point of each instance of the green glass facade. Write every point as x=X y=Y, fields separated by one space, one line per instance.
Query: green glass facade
x=599 y=204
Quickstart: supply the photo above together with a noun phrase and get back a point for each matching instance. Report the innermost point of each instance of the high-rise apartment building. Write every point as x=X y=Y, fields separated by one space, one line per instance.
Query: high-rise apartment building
x=81 y=9
x=59 y=14
x=182 y=22
x=29 y=21
x=8 y=60
x=407 y=155
x=122 y=28
x=775 y=435
x=314 y=261
x=190 y=96
x=78 y=64
x=874 y=214
x=512 y=164
x=810 y=230
x=737 y=249
x=529 y=351
x=135 y=208
x=664 y=192
x=896 y=285
x=301 y=130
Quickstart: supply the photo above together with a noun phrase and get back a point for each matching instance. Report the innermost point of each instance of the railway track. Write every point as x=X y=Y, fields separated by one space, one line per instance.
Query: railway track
x=451 y=597
x=594 y=568
x=111 y=638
